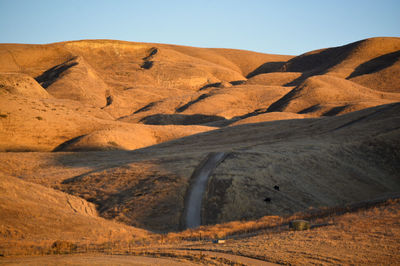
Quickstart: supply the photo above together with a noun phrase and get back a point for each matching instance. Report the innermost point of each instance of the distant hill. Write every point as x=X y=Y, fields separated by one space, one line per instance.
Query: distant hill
x=119 y=128
x=74 y=89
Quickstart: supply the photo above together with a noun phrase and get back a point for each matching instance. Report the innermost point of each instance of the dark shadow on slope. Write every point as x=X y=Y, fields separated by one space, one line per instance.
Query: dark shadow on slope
x=179 y=119
x=299 y=80
x=376 y=111
x=118 y=201
x=211 y=85
x=280 y=104
x=78 y=177
x=145 y=108
x=266 y=68
x=237 y=82
x=109 y=100
x=376 y=64
x=153 y=51
x=51 y=75
x=217 y=190
x=335 y=110
x=187 y=105
x=147 y=64
x=227 y=122
x=65 y=144
x=310 y=109
x=317 y=62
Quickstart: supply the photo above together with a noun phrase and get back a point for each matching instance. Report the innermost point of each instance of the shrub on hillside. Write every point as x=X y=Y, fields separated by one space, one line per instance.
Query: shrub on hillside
x=63 y=247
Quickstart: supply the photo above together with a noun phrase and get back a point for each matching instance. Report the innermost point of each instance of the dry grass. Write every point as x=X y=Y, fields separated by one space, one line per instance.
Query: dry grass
x=329 y=95
x=275 y=78
x=82 y=75
x=146 y=187
x=35 y=214
x=367 y=236
x=363 y=233
x=57 y=121
x=98 y=95
x=359 y=59
x=317 y=217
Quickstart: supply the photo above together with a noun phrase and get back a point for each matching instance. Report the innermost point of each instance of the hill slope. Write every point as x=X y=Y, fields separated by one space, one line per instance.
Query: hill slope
x=283 y=121
x=329 y=95
x=315 y=162
x=360 y=58
x=32 y=213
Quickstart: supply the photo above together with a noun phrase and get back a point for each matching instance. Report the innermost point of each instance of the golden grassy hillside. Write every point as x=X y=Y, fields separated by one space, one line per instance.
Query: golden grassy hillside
x=375 y=56
x=102 y=136
x=328 y=95
x=36 y=215
x=315 y=162
x=94 y=82
x=73 y=89
x=351 y=235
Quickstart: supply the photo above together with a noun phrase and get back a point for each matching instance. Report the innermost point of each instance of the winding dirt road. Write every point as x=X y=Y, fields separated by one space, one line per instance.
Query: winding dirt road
x=195 y=196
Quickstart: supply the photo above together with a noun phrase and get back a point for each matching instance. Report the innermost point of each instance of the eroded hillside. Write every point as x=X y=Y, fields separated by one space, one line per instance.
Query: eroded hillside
x=85 y=88
x=124 y=125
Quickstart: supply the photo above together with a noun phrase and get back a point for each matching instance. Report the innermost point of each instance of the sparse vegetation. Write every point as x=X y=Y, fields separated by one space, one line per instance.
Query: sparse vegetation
x=302 y=134
x=350 y=229
x=299 y=225
x=147 y=64
x=113 y=143
x=63 y=247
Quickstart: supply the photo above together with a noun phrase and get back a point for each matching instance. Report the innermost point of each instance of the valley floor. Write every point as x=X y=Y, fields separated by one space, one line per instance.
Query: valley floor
x=367 y=236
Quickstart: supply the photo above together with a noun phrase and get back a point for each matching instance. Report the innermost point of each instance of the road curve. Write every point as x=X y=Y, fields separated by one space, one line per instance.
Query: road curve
x=195 y=195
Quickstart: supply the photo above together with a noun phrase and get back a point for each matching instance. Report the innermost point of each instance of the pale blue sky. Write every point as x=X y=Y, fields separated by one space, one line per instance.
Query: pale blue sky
x=281 y=26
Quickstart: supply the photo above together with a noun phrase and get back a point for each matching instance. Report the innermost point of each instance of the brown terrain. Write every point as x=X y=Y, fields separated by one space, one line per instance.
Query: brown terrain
x=101 y=140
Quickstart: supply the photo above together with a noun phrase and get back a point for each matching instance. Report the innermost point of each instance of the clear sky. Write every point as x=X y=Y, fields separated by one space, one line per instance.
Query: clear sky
x=281 y=26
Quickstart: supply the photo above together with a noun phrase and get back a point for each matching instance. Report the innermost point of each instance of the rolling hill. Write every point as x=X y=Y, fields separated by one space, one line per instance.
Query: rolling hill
x=101 y=136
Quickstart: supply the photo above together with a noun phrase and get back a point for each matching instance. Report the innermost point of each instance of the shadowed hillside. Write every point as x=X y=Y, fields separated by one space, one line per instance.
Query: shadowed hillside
x=85 y=86
x=101 y=129
x=329 y=95
x=33 y=214
x=316 y=162
x=376 y=56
